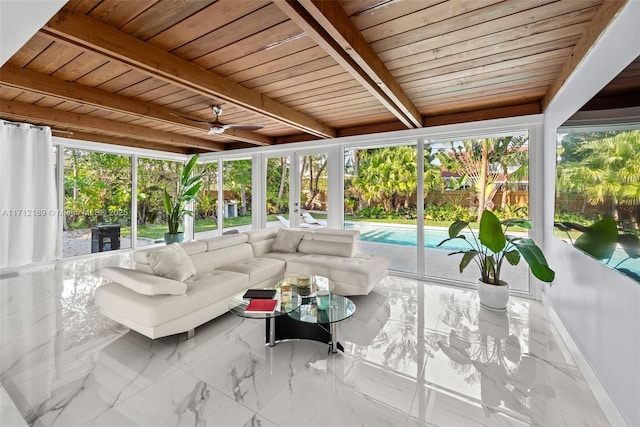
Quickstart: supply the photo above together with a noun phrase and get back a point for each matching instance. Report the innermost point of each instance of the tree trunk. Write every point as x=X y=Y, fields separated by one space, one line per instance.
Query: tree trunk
x=482 y=180
x=283 y=181
x=243 y=201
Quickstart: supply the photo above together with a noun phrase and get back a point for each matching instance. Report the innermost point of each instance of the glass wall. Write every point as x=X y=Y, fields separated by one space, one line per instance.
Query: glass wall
x=462 y=178
x=153 y=177
x=236 y=181
x=277 y=191
x=380 y=193
x=206 y=218
x=314 y=173
x=97 y=202
x=597 y=205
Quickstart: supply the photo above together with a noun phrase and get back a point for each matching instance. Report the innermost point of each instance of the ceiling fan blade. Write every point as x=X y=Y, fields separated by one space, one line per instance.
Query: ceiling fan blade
x=243 y=127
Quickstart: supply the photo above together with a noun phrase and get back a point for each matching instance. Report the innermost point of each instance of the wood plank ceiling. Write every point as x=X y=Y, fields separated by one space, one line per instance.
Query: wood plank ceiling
x=134 y=72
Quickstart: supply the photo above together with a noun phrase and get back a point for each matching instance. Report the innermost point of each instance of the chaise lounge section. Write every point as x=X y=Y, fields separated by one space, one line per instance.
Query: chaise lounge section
x=152 y=300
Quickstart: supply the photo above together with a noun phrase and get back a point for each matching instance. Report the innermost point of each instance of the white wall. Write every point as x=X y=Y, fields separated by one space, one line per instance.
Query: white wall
x=21 y=19
x=599 y=307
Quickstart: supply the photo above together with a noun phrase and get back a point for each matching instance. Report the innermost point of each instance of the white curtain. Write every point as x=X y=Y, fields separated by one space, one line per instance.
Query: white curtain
x=28 y=207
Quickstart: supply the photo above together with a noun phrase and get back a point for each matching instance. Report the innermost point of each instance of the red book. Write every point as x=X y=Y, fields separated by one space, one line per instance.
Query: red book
x=261 y=306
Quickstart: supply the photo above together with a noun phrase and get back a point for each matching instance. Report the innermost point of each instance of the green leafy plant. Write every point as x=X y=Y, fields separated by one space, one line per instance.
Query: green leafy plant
x=492 y=246
x=187 y=192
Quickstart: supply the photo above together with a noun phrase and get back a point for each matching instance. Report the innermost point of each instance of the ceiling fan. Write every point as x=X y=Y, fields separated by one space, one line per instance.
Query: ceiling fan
x=216 y=127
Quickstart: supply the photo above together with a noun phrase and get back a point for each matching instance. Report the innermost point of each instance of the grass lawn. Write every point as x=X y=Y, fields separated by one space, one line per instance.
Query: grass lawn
x=156 y=231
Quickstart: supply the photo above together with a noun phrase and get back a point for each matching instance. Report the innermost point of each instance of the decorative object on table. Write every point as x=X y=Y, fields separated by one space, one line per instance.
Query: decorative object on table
x=304 y=280
x=323 y=298
x=259 y=306
x=259 y=294
x=175 y=207
x=303 y=283
x=490 y=248
x=285 y=293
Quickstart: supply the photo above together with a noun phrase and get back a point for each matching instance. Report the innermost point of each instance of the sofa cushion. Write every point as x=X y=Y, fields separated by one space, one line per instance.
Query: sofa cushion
x=225 y=241
x=264 y=234
x=360 y=270
x=323 y=247
x=191 y=248
x=287 y=240
x=281 y=255
x=258 y=269
x=202 y=290
x=143 y=283
x=171 y=262
x=214 y=259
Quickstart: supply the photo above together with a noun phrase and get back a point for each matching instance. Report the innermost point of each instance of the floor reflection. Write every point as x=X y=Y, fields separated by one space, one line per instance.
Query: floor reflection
x=415 y=354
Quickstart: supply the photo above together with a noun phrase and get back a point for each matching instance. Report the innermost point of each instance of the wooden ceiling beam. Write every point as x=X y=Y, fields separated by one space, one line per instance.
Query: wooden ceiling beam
x=329 y=26
x=28 y=80
x=127 y=142
x=598 y=25
x=68 y=120
x=90 y=34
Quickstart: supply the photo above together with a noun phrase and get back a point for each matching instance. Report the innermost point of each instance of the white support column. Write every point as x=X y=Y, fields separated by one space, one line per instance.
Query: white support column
x=220 y=208
x=258 y=190
x=294 y=190
x=134 y=201
x=335 y=187
x=420 y=208
x=60 y=213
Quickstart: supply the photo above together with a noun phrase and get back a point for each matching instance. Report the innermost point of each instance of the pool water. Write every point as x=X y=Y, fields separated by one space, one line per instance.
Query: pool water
x=406 y=236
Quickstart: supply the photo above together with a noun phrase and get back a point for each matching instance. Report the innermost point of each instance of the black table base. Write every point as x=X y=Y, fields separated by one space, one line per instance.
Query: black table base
x=287 y=328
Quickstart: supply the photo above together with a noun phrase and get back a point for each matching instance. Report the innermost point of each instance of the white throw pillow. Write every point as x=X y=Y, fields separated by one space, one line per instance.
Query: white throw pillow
x=171 y=262
x=287 y=241
x=143 y=283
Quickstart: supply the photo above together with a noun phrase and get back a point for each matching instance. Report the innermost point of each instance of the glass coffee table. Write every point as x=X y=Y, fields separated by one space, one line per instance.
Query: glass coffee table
x=297 y=315
x=238 y=305
x=323 y=324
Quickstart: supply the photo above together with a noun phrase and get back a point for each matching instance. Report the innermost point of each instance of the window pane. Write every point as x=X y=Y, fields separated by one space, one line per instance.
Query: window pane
x=97 y=202
x=236 y=182
x=206 y=221
x=153 y=177
x=313 y=189
x=380 y=202
x=598 y=194
x=277 y=191
x=462 y=179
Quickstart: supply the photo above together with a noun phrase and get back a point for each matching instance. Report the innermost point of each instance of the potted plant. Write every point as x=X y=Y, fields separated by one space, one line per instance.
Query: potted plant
x=175 y=207
x=490 y=248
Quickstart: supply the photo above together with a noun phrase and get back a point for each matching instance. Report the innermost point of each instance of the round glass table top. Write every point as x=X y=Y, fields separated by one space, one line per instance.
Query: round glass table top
x=238 y=305
x=340 y=308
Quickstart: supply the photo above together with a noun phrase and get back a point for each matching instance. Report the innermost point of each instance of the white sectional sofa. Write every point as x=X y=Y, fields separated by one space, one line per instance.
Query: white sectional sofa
x=157 y=304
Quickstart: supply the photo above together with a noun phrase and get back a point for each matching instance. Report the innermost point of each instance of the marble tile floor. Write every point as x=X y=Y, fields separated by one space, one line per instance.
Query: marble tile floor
x=415 y=354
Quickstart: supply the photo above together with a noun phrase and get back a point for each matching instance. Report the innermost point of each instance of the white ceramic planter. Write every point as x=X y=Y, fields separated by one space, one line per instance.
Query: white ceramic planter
x=493 y=297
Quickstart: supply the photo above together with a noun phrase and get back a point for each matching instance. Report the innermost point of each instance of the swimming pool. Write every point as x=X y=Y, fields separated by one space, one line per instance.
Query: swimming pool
x=408 y=236
x=405 y=235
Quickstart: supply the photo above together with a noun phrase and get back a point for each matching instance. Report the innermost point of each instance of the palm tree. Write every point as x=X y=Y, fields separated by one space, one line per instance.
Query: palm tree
x=611 y=170
x=513 y=160
x=472 y=158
